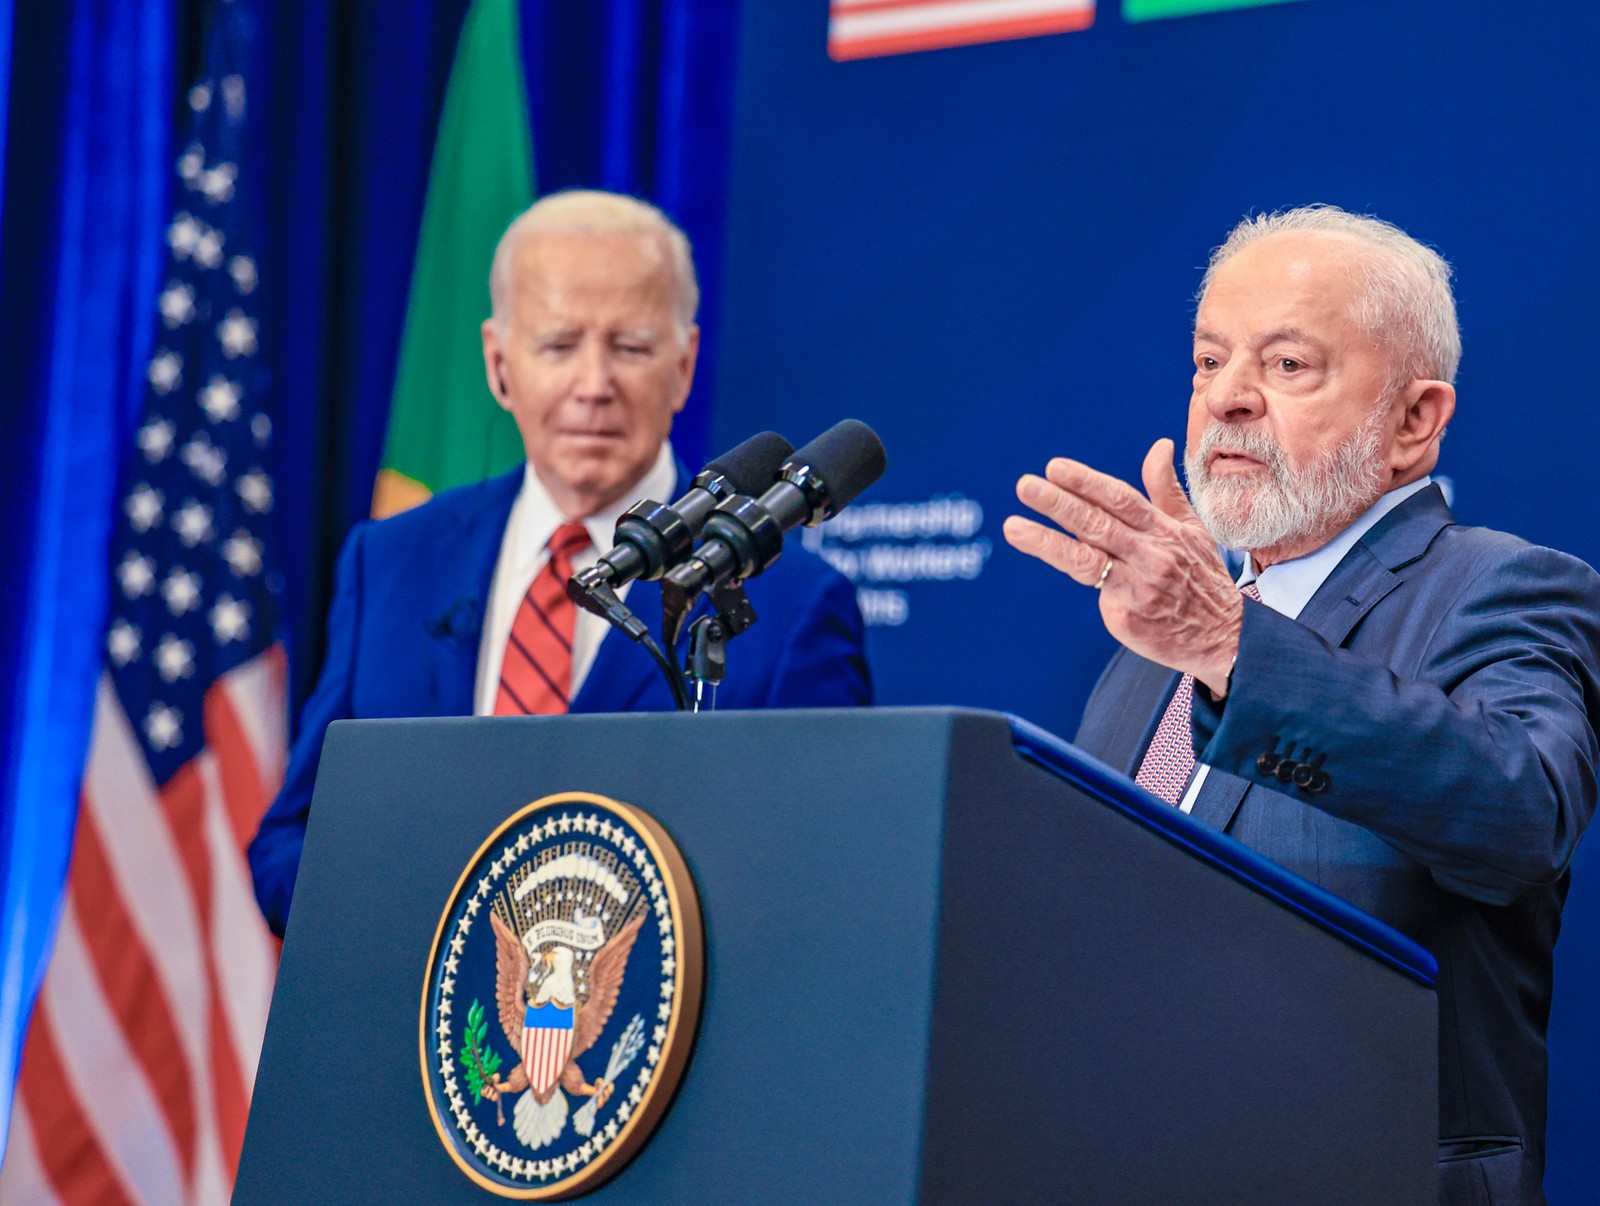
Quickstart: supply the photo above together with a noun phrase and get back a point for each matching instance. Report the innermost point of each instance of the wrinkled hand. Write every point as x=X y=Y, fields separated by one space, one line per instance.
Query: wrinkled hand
x=1168 y=596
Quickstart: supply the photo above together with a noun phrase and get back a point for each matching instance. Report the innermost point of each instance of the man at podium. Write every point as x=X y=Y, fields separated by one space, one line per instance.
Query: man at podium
x=1401 y=709
x=459 y=607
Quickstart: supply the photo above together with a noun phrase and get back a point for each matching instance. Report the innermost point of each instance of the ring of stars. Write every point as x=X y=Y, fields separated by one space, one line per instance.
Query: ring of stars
x=562 y=821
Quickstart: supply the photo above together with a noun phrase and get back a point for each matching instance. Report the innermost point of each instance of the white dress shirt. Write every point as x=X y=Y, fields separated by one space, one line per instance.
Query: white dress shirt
x=534 y=519
x=1289 y=585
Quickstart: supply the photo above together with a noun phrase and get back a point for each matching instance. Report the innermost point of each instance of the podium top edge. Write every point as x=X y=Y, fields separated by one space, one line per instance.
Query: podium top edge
x=1084 y=772
x=1321 y=907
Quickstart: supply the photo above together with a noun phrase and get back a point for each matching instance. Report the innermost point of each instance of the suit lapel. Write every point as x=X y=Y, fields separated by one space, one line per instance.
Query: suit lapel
x=466 y=549
x=1133 y=714
x=1358 y=583
x=1367 y=572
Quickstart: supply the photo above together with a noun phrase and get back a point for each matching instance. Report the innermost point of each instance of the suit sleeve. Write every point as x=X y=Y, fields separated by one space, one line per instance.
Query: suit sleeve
x=824 y=661
x=1482 y=767
x=275 y=851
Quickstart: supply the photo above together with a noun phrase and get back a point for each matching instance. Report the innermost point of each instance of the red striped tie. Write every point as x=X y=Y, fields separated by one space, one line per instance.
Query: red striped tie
x=536 y=674
x=1169 y=762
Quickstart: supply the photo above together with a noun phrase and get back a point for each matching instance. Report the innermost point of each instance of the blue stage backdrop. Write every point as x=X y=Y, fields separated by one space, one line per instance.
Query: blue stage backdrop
x=990 y=254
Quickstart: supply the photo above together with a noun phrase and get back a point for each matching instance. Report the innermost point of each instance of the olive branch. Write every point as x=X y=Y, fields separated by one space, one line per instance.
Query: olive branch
x=481 y=1064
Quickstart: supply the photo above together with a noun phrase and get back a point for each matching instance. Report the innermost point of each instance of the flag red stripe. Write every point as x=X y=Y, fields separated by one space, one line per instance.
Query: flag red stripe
x=128 y=977
x=68 y=1149
x=842 y=49
x=231 y=1096
x=183 y=799
x=243 y=793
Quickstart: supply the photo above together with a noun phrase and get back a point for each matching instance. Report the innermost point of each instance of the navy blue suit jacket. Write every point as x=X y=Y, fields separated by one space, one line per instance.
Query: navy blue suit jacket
x=1444 y=680
x=407 y=614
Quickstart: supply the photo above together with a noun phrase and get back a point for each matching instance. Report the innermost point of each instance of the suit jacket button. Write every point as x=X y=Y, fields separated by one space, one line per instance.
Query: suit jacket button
x=1285 y=770
x=1267 y=763
x=1320 y=781
x=1305 y=776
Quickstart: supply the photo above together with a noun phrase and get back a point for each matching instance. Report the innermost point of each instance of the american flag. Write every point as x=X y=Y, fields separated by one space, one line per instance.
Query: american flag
x=859 y=29
x=139 y=1062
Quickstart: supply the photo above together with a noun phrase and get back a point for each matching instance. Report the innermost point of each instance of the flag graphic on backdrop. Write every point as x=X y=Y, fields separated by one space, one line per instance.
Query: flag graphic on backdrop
x=1151 y=10
x=444 y=426
x=140 y=1059
x=860 y=29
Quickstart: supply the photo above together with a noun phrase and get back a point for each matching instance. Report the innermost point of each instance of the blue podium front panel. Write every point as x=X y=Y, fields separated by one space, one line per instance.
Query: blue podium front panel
x=935 y=971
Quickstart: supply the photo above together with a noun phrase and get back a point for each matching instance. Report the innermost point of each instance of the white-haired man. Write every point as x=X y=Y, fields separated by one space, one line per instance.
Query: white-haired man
x=1398 y=708
x=459 y=606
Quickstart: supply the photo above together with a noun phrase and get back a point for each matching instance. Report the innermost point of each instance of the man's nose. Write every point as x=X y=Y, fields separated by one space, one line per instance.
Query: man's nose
x=594 y=371
x=1234 y=393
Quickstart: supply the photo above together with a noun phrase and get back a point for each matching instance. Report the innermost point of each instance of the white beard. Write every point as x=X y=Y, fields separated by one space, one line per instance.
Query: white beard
x=1295 y=504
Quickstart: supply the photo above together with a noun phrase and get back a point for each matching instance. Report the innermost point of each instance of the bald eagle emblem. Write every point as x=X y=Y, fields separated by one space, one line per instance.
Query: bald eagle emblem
x=562 y=996
x=543 y=1016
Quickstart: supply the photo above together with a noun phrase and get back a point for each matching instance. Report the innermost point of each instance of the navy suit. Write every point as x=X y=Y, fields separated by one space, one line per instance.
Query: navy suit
x=403 y=635
x=1443 y=681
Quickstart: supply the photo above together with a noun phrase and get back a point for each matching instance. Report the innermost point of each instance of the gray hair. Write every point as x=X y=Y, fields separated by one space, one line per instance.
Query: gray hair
x=1406 y=305
x=592 y=212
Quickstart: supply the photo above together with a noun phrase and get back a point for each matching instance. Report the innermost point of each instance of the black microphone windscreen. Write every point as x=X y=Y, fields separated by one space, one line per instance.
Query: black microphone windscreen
x=849 y=457
x=753 y=464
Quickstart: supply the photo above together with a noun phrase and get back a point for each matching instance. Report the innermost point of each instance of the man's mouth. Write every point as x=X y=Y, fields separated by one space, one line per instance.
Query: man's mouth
x=1225 y=462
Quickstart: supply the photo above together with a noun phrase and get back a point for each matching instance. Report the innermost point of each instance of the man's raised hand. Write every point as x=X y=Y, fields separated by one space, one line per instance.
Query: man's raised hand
x=1164 y=591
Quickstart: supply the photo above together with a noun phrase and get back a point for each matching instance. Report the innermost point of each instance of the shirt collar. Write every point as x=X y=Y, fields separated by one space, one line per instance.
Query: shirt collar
x=1288 y=586
x=535 y=515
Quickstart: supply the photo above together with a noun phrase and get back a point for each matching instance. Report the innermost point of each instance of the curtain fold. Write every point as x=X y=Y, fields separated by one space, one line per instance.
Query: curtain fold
x=81 y=251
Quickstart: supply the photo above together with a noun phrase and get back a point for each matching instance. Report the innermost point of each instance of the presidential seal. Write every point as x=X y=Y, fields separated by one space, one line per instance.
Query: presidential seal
x=562 y=995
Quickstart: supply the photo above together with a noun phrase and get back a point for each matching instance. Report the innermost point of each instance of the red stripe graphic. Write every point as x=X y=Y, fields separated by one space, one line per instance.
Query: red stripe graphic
x=939 y=24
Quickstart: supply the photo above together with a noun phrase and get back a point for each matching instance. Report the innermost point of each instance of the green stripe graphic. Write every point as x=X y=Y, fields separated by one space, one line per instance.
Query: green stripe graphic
x=1151 y=10
x=445 y=428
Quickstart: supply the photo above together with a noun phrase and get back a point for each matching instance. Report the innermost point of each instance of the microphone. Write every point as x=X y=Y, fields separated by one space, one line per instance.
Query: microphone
x=743 y=536
x=650 y=537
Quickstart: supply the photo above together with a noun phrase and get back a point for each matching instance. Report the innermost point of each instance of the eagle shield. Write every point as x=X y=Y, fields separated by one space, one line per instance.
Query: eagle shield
x=546 y=1044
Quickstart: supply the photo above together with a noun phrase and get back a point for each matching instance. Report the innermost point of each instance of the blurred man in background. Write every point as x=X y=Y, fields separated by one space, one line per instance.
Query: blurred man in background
x=459 y=607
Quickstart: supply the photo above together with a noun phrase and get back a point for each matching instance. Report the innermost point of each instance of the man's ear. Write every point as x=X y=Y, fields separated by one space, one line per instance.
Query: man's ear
x=494 y=363
x=1426 y=408
x=686 y=362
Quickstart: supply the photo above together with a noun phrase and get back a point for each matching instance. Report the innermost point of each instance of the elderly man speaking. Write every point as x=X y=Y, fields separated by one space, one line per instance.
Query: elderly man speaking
x=1399 y=708
x=460 y=607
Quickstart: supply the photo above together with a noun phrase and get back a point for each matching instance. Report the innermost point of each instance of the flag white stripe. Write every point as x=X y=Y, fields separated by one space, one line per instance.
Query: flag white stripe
x=116 y=1100
x=212 y=1185
x=257 y=698
x=241 y=949
x=951 y=14
x=25 y=1182
x=154 y=887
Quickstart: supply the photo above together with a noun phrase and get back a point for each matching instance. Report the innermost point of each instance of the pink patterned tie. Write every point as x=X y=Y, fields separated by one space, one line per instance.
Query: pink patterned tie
x=1169 y=762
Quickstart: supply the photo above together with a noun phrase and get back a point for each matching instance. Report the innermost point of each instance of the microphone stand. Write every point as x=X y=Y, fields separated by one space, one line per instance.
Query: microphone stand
x=707 y=661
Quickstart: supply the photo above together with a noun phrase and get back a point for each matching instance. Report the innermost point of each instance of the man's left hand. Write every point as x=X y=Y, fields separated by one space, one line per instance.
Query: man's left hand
x=1164 y=591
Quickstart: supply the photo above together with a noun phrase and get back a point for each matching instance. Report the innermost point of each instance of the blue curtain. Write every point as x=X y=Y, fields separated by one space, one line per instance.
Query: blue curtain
x=87 y=153
x=624 y=94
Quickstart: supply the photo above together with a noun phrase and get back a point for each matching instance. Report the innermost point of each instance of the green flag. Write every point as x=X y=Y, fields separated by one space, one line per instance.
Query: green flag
x=1149 y=10
x=445 y=428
